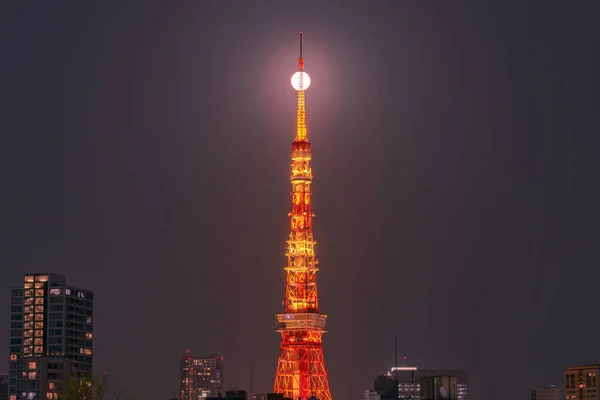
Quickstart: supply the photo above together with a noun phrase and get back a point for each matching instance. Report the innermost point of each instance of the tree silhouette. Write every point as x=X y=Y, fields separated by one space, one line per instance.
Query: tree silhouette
x=91 y=387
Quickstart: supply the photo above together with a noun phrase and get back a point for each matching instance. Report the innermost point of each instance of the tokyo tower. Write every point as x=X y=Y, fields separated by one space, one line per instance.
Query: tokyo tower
x=301 y=372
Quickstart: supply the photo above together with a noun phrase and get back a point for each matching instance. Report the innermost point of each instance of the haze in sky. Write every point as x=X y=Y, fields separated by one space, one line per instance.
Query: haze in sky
x=145 y=155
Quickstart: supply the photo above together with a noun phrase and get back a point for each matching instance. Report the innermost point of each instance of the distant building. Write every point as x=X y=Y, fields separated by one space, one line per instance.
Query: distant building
x=3 y=386
x=232 y=395
x=236 y=395
x=270 y=396
x=386 y=387
x=201 y=377
x=51 y=336
x=371 y=395
x=438 y=388
x=545 y=393
x=581 y=383
x=409 y=380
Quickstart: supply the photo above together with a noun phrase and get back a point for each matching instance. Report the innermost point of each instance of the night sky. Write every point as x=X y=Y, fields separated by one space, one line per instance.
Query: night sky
x=145 y=155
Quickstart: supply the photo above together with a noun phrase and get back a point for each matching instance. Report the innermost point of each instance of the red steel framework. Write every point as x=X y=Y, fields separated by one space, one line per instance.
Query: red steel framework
x=301 y=372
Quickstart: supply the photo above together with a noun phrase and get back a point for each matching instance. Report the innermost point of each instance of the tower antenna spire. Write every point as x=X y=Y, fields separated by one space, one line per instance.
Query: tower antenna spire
x=300 y=60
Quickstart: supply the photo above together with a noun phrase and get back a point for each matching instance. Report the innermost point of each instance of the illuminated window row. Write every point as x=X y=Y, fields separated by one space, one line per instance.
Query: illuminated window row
x=39 y=278
x=30 y=341
x=38 y=325
x=31 y=293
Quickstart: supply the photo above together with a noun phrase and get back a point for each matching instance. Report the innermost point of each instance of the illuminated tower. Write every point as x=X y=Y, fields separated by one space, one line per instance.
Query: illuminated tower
x=301 y=372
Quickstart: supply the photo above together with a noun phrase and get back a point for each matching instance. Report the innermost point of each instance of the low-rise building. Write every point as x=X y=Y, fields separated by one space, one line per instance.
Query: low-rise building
x=545 y=393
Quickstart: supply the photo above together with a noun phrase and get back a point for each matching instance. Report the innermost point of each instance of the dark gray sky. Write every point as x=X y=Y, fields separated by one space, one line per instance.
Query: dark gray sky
x=145 y=154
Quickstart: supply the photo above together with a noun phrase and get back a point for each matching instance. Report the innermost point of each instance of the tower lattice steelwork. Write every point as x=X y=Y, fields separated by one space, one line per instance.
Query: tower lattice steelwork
x=301 y=372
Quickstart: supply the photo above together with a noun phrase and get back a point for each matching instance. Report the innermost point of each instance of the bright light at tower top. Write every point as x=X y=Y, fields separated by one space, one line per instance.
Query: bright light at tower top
x=300 y=80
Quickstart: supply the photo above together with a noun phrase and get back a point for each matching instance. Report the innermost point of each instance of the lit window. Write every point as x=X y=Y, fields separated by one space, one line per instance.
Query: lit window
x=51 y=385
x=28 y=309
x=87 y=352
x=31 y=395
x=32 y=375
x=49 y=395
x=39 y=309
x=39 y=300
x=29 y=279
x=13 y=397
x=38 y=341
x=28 y=317
x=39 y=349
x=39 y=292
x=39 y=285
x=28 y=333
x=28 y=341
x=39 y=317
x=29 y=301
x=32 y=365
x=28 y=285
x=68 y=291
x=39 y=324
x=88 y=335
x=55 y=292
x=88 y=320
x=39 y=333
x=42 y=278
x=29 y=293
x=13 y=357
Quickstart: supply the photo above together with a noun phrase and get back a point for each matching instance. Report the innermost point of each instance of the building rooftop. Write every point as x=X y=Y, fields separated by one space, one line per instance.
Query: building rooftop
x=588 y=366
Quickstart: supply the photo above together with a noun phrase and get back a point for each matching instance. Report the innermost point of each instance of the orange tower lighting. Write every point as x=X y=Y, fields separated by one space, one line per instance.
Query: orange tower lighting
x=301 y=372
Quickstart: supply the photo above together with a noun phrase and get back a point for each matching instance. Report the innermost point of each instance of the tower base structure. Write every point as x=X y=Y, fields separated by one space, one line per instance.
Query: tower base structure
x=301 y=372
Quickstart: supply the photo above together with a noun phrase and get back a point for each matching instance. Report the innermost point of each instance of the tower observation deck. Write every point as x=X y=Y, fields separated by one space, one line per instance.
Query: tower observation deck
x=301 y=372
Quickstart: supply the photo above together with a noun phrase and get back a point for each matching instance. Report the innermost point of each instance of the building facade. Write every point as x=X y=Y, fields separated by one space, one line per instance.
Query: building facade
x=545 y=393
x=201 y=377
x=51 y=336
x=409 y=380
x=3 y=386
x=438 y=388
x=581 y=383
x=233 y=395
x=385 y=387
x=270 y=396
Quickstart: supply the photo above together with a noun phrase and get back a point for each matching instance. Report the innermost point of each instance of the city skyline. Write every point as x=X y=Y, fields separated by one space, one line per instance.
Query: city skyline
x=209 y=368
x=145 y=157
